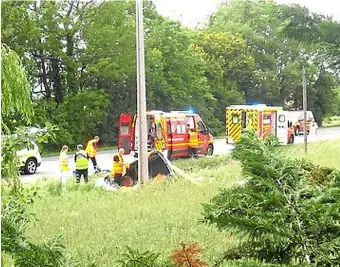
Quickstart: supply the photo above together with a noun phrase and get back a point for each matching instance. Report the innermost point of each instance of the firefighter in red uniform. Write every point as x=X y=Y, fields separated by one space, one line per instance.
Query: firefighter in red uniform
x=193 y=143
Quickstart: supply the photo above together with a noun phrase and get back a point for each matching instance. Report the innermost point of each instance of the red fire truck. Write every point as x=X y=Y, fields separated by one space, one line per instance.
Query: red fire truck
x=167 y=132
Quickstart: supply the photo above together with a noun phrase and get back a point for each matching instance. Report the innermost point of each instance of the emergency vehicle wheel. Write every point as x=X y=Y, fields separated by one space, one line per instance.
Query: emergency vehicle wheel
x=210 y=150
x=31 y=166
x=291 y=139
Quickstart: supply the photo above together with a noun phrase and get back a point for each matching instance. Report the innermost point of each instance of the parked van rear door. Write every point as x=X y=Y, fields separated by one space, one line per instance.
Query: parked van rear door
x=125 y=132
x=179 y=137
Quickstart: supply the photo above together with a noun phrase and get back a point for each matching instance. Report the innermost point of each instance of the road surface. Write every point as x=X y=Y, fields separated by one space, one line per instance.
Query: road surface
x=50 y=167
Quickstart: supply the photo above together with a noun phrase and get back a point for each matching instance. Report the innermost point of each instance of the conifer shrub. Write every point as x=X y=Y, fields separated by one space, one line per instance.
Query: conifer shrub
x=287 y=213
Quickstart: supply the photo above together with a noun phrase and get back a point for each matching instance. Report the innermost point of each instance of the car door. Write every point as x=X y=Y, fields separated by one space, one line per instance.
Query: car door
x=203 y=137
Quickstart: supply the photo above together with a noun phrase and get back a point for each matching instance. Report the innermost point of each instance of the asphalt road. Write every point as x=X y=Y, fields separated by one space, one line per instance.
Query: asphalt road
x=50 y=167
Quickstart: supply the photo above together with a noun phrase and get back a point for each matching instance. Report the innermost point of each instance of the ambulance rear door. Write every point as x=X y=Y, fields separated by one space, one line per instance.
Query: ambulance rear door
x=179 y=137
x=282 y=127
x=125 y=132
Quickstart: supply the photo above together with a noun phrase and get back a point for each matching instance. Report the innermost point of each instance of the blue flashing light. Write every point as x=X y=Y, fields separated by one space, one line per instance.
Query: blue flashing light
x=254 y=103
x=191 y=110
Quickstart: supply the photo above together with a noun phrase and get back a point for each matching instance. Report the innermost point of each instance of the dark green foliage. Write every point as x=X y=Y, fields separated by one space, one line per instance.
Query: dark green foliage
x=14 y=103
x=79 y=117
x=14 y=197
x=316 y=173
x=250 y=51
x=280 y=215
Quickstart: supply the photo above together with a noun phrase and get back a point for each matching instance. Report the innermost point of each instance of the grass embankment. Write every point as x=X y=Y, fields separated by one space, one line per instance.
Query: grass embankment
x=98 y=225
x=326 y=153
x=332 y=122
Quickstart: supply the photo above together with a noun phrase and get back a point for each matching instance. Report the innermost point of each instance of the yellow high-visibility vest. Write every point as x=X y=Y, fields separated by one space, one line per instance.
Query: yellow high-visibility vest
x=193 y=139
x=63 y=161
x=91 y=148
x=118 y=168
x=81 y=160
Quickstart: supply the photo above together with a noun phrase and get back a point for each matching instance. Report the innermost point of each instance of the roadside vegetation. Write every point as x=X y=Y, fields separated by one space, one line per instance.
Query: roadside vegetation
x=83 y=75
x=332 y=121
x=261 y=204
x=98 y=225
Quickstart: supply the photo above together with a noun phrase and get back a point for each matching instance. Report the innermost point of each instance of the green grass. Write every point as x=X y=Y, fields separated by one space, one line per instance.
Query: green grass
x=98 y=225
x=332 y=122
x=325 y=153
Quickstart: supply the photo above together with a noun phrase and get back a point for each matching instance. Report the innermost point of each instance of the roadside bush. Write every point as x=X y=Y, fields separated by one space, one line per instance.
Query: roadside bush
x=281 y=215
x=78 y=118
x=15 y=216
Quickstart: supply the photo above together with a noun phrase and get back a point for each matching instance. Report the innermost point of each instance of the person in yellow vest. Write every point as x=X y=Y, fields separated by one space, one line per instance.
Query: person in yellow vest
x=193 y=143
x=81 y=160
x=63 y=164
x=118 y=166
x=91 y=150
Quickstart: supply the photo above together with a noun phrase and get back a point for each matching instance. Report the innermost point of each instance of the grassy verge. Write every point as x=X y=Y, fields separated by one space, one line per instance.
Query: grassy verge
x=332 y=122
x=98 y=225
x=325 y=153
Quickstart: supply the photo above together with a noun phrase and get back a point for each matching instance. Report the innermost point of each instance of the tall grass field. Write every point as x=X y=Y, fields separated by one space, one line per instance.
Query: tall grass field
x=332 y=122
x=98 y=225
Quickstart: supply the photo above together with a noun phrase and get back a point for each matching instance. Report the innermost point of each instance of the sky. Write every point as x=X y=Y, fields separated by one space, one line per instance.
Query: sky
x=194 y=12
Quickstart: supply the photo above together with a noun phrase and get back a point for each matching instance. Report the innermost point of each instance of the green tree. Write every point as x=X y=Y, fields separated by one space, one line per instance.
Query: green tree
x=227 y=60
x=287 y=212
x=48 y=37
x=80 y=122
x=319 y=32
x=14 y=216
x=276 y=59
x=13 y=76
x=274 y=33
x=175 y=70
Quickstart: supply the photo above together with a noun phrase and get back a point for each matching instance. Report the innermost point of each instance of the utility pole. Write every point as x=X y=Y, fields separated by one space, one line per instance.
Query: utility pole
x=143 y=173
x=304 y=86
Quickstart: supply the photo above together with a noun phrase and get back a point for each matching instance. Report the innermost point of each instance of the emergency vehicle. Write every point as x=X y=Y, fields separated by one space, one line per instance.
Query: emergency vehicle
x=167 y=132
x=29 y=159
x=297 y=118
x=263 y=119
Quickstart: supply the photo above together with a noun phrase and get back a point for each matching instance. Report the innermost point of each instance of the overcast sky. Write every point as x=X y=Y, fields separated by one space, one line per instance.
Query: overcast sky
x=192 y=12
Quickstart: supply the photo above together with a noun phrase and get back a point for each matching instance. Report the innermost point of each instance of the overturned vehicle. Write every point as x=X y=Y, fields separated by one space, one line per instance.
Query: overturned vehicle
x=159 y=168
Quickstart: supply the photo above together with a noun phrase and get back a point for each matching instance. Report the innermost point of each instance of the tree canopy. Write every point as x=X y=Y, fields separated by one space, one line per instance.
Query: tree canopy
x=249 y=51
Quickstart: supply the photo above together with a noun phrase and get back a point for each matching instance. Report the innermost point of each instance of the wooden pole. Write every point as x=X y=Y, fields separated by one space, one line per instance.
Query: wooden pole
x=304 y=86
x=143 y=172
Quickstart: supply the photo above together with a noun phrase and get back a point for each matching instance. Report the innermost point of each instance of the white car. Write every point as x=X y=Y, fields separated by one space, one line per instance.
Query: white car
x=30 y=159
